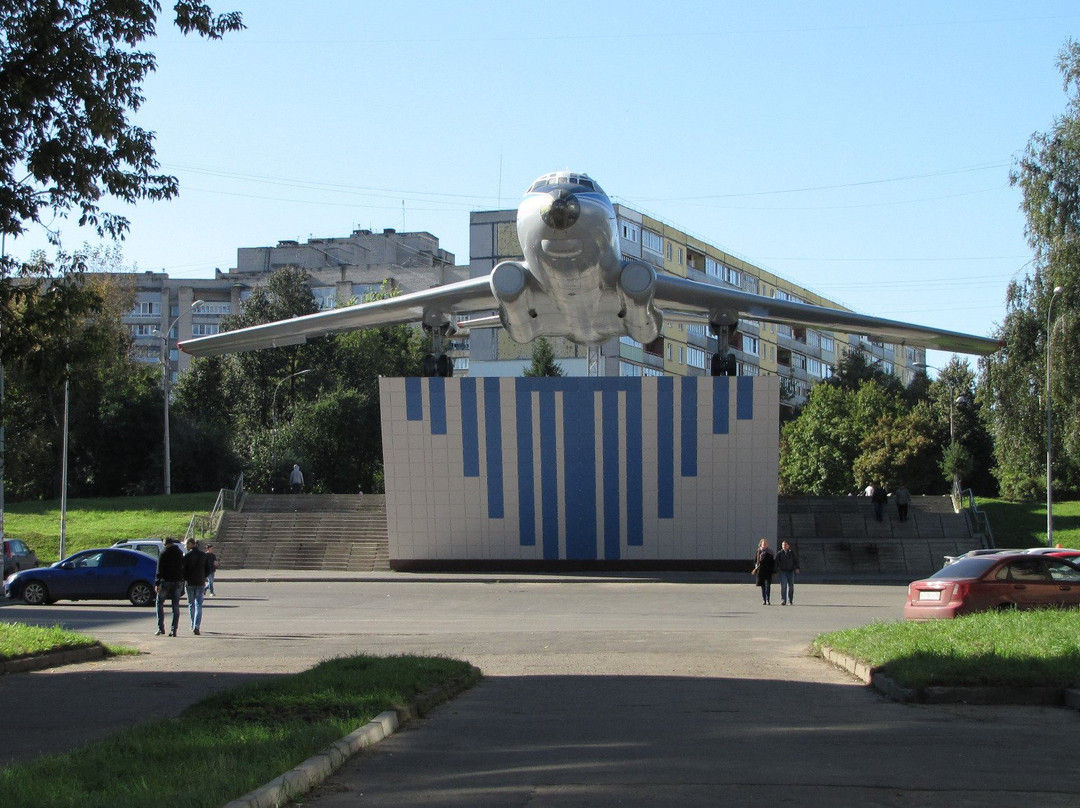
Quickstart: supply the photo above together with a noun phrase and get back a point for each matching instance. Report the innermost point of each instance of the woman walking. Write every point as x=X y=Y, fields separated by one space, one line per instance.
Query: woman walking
x=764 y=564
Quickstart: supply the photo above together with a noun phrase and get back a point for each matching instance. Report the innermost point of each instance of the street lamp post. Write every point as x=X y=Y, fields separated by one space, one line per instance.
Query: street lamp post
x=1049 y=444
x=273 y=416
x=167 y=484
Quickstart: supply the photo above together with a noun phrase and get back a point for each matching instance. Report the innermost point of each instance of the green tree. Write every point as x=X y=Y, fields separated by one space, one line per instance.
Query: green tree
x=818 y=448
x=1013 y=390
x=328 y=420
x=543 y=360
x=71 y=74
x=899 y=448
x=68 y=325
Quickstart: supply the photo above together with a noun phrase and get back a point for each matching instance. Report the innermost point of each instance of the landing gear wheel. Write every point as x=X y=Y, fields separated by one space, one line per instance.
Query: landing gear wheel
x=430 y=366
x=445 y=366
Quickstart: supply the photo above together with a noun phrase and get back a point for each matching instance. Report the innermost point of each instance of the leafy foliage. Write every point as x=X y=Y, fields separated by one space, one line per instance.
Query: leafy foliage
x=543 y=361
x=63 y=323
x=864 y=427
x=1014 y=391
x=315 y=404
x=71 y=74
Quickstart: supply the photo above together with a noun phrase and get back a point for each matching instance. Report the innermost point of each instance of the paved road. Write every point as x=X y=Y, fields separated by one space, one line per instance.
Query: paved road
x=597 y=691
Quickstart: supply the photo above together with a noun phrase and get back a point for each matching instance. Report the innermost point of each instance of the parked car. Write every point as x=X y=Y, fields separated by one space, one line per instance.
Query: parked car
x=981 y=551
x=152 y=547
x=104 y=574
x=1006 y=580
x=17 y=556
x=1057 y=552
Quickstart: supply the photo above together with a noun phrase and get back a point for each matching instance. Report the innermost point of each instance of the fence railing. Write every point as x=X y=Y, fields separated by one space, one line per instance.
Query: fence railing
x=978 y=521
x=202 y=527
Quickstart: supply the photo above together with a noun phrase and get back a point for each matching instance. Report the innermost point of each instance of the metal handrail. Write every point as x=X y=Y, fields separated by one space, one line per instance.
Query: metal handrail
x=208 y=525
x=978 y=521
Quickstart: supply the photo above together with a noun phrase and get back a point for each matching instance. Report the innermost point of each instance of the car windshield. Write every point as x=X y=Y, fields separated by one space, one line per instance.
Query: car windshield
x=970 y=567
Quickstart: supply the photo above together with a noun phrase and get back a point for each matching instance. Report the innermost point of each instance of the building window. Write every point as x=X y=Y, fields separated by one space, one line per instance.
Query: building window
x=827 y=344
x=734 y=277
x=750 y=284
x=461 y=363
x=363 y=291
x=652 y=241
x=325 y=297
x=750 y=345
x=147 y=309
x=713 y=268
x=631 y=232
x=214 y=308
x=143 y=331
x=695 y=358
x=203 y=329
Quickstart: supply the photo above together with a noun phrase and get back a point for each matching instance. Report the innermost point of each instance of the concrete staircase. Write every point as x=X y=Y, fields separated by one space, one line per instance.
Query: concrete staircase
x=306 y=532
x=838 y=537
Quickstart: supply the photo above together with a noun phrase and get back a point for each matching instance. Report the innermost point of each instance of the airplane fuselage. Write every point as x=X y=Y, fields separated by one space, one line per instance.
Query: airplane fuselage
x=573 y=282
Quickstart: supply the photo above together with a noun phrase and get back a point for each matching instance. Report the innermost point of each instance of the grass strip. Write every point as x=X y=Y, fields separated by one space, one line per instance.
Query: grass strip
x=18 y=640
x=229 y=743
x=1017 y=649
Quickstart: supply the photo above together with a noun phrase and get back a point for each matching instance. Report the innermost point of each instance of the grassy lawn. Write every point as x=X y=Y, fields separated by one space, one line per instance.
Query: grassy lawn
x=18 y=640
x=271 y=726
x=1023 y=524
x=101 y=522
x=992 y=648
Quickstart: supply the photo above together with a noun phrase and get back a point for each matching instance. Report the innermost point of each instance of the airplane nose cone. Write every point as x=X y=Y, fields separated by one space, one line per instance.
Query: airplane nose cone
x=562 y=211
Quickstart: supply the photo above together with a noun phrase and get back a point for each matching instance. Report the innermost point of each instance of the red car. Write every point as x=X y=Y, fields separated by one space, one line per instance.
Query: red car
x=1003 y=581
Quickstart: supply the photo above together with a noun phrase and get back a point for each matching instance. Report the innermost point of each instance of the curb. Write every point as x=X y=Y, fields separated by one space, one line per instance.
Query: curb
x=53 y=659
x=317 y=768
x=1049 y=696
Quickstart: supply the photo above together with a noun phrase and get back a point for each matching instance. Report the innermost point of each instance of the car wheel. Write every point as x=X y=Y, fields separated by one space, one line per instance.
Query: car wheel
x=35 y=593
x=141 y=594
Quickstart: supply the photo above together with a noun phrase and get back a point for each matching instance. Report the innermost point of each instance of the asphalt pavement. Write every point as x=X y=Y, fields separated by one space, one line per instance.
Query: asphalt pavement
x=598 y=690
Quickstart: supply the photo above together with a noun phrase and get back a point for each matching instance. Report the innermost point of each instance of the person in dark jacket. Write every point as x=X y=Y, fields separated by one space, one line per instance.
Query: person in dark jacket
x=763 y=570
x=195 y=578
x=787 y=564
x=168 y=583
x=211 y=569
x=878 y=498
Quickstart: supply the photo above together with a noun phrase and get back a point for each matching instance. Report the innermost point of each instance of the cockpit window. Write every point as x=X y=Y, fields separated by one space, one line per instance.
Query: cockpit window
x=580 y=180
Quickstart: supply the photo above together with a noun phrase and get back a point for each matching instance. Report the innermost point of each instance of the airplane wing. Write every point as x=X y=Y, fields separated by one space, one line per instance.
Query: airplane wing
x=726 y=305
x=471 y=295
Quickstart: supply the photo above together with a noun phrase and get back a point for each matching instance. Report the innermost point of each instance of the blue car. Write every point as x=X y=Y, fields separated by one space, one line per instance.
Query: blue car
x=106 y=574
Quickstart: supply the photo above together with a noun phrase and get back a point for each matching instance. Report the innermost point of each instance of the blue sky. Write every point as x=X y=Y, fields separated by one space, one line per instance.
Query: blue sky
x=860 y=149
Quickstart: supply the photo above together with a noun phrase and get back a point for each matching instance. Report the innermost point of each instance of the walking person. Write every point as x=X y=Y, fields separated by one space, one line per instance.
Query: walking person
x=195 y=578
x=296 y=480
x=903 y=499
x=878 y=498
x=211 y=569
x=168 y=584
x=763 y=570
x=787 y=565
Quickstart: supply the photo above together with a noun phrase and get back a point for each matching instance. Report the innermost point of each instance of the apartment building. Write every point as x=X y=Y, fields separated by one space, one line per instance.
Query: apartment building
x=342 y=270
x=345 y=269
x=800 y=356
